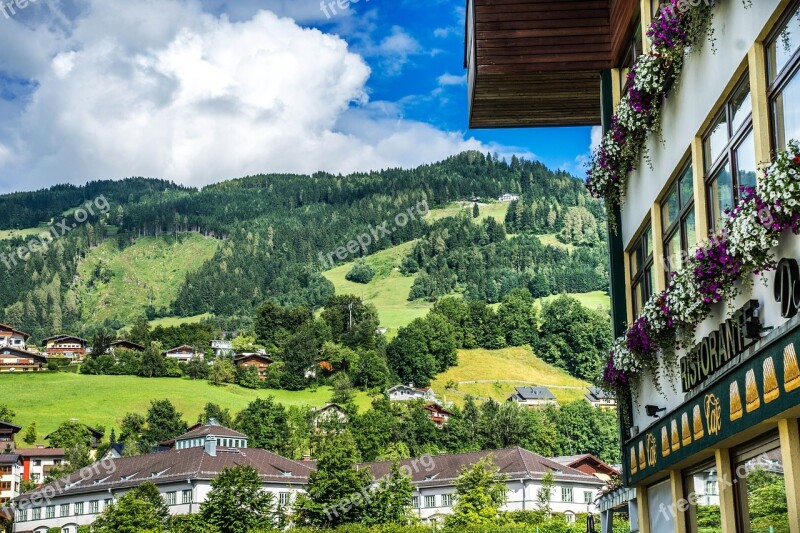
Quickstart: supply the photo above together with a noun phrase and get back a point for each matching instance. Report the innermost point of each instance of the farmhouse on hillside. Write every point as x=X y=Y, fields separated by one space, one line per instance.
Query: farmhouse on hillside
x=66 y=345
x=183 y=354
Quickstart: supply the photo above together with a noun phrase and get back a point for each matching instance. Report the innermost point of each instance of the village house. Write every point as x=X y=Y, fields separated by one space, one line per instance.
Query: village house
x=533 y=396
x=433 y=478
x=10 y=477
x=125 y=345
x=13 y=337
x=66 y=346
x=222 y=347
x=20 y=360
x=601 y=399
x=331 y=412
x=183 y=354
x=439 y=415
x=408 y=392
x=7 y=432
x=259 y=361
x=508 y=197
x=37 y=462
x=588 y=464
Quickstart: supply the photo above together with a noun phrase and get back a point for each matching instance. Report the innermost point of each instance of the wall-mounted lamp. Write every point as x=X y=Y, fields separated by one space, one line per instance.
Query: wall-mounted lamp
x=653 y=410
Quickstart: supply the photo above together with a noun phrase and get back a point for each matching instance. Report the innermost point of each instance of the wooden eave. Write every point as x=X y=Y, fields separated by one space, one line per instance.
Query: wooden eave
x=538 y=62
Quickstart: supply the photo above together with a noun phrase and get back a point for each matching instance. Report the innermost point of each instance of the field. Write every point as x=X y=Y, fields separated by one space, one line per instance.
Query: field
x=388 y=290
x=597 y=300
x=497 y=210
x=52 y=398
x=495 y=373
x=170 y=321
x=26 y=232
x=151 y=270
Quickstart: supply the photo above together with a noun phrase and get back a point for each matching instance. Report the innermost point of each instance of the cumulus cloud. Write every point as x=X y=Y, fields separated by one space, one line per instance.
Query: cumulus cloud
x=452 y=79
x=166 y=89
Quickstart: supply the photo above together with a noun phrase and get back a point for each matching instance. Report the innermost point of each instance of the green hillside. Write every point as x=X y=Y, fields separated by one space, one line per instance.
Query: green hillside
x=118 y=285
x=51 y=398
x=495 y=373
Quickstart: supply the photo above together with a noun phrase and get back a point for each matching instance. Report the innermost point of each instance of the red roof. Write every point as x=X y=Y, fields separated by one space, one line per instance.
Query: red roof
x=15 y=330
x=42 y=452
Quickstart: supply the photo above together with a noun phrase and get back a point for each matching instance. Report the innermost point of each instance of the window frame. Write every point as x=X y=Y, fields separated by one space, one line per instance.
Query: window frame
x=750 y=450
x=685 y=210
x=728 y=157
x=567 y=495
x=782 y=78
x=430 y=501
x=646 y=267
x=184 y=494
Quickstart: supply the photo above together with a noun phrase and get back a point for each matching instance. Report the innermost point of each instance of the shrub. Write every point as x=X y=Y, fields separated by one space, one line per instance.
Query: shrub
x=360 y=273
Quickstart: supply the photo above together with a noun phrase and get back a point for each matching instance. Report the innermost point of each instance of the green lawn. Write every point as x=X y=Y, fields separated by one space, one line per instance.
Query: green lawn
x=597 y=300
x=497 y=210
x=51 y=398
x=388 y=290
x=26 y=232
x=177 y=321
x=497 y=372
x=551 y=240
x=152 y=269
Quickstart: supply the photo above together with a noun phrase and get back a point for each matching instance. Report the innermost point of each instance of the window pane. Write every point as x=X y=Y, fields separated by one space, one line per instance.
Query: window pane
x=690 y=230
x=670 y=208
x=746 y=162
x=787 y=113
x=763 y=493
x=686 y=186
x=716 y=140
x=720 y=195
x=741 y=106
x=673 y=250
x=786 y=44
x=702 y=493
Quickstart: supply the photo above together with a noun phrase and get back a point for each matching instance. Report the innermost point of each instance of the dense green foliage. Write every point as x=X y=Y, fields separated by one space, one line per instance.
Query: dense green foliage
x=276 y=228
x=237 y=502
x=360 y=273
x=140 y=509
x=480 y=492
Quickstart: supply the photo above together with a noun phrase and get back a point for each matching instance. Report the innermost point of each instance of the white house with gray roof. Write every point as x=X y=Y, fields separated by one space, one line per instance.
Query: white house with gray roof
x=533 y=396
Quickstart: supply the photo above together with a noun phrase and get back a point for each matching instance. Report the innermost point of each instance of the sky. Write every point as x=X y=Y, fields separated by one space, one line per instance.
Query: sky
x=199 y=91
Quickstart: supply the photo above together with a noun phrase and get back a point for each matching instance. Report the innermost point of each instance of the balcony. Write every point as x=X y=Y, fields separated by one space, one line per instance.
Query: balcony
x=537 y=63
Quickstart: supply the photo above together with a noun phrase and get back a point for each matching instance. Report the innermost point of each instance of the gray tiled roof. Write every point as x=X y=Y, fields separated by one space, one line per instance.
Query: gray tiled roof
x=534 y=393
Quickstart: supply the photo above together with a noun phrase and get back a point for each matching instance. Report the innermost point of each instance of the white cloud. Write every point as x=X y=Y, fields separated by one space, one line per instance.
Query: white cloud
x=166 y=90
x=452 y=79
x=597 y=137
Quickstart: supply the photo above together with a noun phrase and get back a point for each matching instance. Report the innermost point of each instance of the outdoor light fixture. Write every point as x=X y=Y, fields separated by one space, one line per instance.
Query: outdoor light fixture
x=653 y=410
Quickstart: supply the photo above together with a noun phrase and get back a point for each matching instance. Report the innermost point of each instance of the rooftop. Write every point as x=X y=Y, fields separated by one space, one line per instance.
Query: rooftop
x=534 y=393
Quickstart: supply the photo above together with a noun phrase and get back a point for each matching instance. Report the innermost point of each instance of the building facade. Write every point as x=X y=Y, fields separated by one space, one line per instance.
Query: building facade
x=259 y=361
x=183 y=354
x=13 y=337
x=66 y=346
x=21 y=360
x=38 y=462
x=400 y=393
x=10 y=477
x=712 y=433
x=533 y=396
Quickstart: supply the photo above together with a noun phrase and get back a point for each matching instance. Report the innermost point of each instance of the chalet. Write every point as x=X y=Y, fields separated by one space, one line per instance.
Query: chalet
x=7 y=432
x=183 y=354
x=20 y=360
x=10 y=477
x=37 y=463
x=13 y=337
x=221 y=347
x=507 y=197
x=125 y=345
x=439 y=415
x=65 y=345
x=259 y=361
x=588 y=464
x=601 y=399
x=533 y=396
x=331 y=412
x=400 y=393
x=96 y=436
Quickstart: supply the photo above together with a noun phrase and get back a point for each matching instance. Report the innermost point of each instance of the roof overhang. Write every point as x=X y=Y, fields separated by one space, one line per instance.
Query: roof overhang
x=534 y=63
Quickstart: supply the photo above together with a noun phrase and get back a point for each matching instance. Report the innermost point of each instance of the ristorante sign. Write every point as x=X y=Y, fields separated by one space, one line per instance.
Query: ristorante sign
x=717 y=349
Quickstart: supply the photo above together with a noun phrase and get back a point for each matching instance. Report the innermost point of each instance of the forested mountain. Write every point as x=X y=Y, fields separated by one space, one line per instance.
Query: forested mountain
x=273 y=228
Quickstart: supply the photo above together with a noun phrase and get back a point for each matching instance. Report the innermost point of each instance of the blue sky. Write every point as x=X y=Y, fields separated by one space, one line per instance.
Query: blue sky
x=203 y=90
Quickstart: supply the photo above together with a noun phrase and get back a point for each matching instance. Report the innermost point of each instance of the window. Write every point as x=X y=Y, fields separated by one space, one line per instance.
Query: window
x=447 y=500
x=51 y=511
x=566 y=494
x=79 y=508
x=285 y=498
x=699 y=486
x=34 y=476
x=36 y=514
x=783 y=65
x=64 y=509
x=635 y=48
x=415 y=502
x=170 y=498
x=430 y=501
x=587 y=496
x=107 y=503
x=22 y=515
x=761 y=487
x=677 y=219
x=186 y=496
x=94 y=506
x=37 y=462
x=729 y=153
x=641 y=258
x=569 y=516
